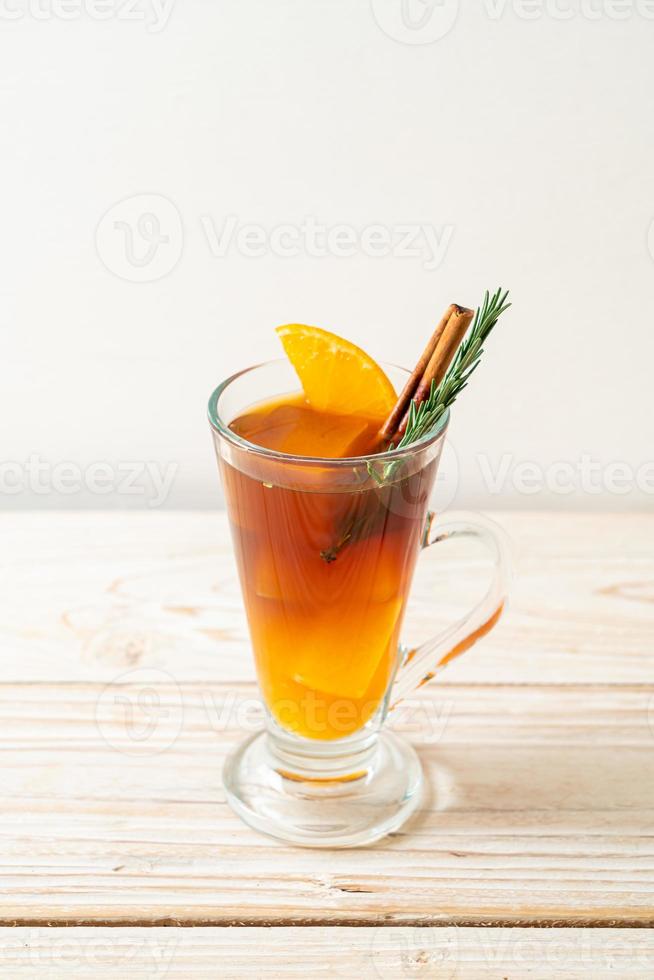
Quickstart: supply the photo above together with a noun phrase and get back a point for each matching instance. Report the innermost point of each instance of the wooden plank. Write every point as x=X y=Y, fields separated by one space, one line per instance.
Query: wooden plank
x=537 y=744
x=540 y=809
x=85 y=595
x=293 y=953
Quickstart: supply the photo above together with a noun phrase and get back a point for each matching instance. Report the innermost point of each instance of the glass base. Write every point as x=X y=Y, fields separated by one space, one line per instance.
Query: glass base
x=335 y=799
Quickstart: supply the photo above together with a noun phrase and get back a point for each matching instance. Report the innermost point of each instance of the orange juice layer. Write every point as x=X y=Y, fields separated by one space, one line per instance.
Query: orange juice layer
x=324 y=623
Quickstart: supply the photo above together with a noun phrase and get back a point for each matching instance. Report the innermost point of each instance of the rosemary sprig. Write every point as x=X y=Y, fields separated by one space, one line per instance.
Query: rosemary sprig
x=424 y=417
x=331 y=554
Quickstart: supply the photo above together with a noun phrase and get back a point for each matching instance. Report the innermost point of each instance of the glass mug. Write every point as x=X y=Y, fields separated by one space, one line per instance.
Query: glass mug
x=326 y=551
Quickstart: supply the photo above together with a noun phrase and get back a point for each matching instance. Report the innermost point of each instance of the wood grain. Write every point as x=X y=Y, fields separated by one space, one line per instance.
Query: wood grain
x=83 y=595
x=537 y=745
x=293 y=953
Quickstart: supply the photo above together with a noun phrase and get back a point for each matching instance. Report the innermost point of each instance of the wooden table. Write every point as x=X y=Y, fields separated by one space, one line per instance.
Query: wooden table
x=126 y=677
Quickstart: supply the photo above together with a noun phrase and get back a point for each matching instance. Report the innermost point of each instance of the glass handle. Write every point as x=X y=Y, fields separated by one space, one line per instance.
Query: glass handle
x=419 y=665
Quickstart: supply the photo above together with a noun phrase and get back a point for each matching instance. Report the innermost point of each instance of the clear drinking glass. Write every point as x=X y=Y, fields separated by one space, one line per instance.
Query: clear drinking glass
x=326 y=557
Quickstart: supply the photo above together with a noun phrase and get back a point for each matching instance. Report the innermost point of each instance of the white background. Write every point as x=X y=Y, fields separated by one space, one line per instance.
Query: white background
x=528 y=135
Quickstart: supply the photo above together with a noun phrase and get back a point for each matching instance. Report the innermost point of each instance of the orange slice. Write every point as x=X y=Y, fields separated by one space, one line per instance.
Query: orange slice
x=337 y=376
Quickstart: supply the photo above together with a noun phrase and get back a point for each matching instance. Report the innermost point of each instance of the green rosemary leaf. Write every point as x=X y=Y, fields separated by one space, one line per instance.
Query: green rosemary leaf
x=372 y=471
x=423 y=417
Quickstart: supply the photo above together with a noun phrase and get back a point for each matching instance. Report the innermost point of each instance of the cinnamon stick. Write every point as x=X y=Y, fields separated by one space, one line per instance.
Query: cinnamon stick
x=432 y=366
x=389 y=427
x=453 y=334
